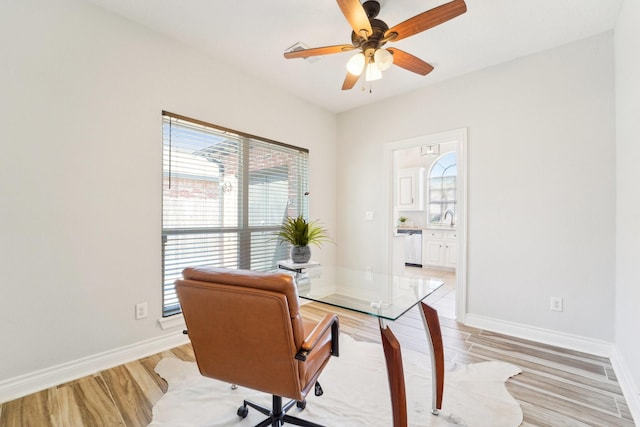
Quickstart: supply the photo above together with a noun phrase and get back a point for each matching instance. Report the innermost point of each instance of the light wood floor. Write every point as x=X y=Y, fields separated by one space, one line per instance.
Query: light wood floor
x=557 y=387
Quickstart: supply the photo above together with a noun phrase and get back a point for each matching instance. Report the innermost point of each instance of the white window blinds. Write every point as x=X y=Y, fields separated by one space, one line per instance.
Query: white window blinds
x=224 y=196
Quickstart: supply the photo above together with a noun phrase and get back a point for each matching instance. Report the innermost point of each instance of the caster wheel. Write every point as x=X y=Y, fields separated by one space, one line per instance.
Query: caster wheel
x=318 y=390
x=243 y=411
x=301 y=404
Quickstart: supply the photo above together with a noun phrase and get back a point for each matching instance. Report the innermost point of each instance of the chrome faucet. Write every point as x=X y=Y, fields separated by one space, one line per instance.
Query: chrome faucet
x=449 y=212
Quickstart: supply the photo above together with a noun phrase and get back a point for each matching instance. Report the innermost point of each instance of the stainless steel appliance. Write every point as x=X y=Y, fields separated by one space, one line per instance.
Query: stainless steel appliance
x=412 y=247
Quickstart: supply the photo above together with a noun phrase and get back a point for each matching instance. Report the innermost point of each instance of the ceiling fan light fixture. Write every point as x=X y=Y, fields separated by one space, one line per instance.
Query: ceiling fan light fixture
x=369 y=34
x=355 y=65
x=383 y=59
x=430 y=150
x=372 y=72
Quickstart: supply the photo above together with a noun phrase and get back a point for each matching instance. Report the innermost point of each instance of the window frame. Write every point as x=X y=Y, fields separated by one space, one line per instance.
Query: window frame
x=244 y=230
x=444 y=203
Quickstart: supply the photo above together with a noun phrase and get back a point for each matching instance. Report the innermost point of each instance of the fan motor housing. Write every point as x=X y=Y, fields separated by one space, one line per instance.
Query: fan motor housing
x=379 y=29
x=372 y=8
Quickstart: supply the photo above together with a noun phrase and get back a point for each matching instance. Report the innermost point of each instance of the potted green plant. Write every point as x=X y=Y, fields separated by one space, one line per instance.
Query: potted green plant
x=402 y=220
x=300 y=233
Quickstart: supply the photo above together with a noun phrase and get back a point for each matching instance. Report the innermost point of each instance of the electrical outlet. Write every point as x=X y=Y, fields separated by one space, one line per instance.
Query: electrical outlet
x=369 y=216
x=555 y=304
x=142 y=310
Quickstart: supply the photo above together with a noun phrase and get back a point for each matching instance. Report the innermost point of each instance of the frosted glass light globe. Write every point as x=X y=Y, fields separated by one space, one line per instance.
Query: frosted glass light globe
x=355 y=65
x=383 y=59
x=373 y=72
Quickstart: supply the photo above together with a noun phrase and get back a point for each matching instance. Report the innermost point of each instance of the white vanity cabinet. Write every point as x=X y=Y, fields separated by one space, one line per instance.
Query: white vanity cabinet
x=440 y=248
x=450 y=249
x=410 y=193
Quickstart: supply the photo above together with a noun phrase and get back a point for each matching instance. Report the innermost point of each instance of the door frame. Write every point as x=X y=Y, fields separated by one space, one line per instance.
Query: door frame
x=460 y=136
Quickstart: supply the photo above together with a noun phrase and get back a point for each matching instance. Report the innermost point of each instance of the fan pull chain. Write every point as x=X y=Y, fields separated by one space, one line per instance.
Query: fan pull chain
x=364 y=87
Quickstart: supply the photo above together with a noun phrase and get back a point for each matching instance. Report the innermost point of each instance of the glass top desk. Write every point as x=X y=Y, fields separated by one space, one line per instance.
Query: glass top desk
x=386 y=297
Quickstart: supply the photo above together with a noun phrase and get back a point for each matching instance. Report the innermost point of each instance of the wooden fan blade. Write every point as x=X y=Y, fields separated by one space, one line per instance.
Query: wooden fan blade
x=350 y=81
x=357 y=17
x=409 y=62
x=426 y=20
x=315 y=51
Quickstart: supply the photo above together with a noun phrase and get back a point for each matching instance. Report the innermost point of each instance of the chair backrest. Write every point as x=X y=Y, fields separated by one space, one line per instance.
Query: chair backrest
x=245 y=327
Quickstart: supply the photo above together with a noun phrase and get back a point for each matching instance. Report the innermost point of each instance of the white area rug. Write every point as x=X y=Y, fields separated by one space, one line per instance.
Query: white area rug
x=356 y=393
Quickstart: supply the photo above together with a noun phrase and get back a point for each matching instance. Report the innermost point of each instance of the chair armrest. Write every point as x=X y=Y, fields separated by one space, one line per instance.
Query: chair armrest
x=328 y=321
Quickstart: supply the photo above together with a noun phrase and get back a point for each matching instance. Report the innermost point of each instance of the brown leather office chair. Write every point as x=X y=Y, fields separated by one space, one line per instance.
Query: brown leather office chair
x=245 y=328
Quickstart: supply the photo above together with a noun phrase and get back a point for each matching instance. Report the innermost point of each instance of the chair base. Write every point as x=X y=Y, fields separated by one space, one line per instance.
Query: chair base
x=277 y=416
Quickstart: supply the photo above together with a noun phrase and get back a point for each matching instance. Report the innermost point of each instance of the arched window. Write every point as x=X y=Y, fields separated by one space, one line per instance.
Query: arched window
x=441 y=207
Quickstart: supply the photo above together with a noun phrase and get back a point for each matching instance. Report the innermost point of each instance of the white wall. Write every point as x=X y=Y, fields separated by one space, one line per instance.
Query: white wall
x=627 y=50
x=541 y=183
x=81 y=95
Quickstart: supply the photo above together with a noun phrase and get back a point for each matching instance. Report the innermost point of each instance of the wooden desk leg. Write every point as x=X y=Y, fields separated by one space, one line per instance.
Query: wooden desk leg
x=434 y=336
x=395 y=373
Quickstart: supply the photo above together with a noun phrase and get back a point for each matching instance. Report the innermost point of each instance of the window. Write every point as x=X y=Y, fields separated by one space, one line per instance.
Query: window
x=224 y=196
x=442 y=190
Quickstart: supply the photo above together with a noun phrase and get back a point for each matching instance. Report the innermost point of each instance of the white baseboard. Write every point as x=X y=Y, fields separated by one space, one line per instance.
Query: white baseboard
x=23 y=385
x=629 y=388
x=545 y=336
x=627 y=384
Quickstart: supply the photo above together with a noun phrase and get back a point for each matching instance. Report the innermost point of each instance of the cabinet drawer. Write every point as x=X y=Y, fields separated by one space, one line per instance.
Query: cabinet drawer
x=432 y=235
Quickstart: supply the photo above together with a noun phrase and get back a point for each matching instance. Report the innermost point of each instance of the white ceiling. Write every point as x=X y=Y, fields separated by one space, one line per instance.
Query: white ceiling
x=252 y=35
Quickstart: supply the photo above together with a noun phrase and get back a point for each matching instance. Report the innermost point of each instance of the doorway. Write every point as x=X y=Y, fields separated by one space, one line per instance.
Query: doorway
x=435 y=204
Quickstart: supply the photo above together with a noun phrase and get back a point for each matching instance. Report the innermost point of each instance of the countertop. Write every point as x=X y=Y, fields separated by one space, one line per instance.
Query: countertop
x=426 y=228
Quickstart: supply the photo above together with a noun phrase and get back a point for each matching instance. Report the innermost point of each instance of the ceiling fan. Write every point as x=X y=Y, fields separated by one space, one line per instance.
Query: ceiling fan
x=369 y=35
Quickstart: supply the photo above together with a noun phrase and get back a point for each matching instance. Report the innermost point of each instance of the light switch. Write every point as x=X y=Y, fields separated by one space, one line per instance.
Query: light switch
x=368 y=215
